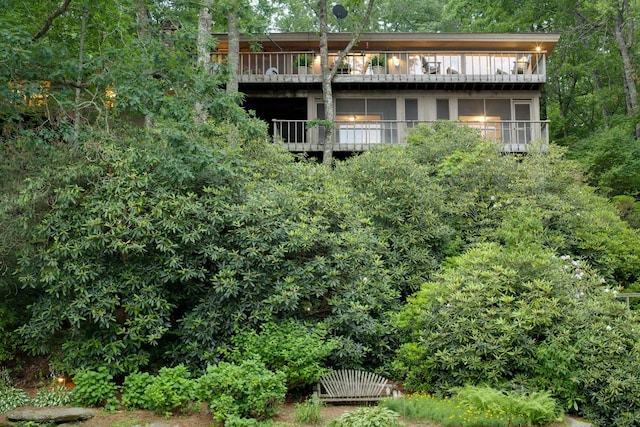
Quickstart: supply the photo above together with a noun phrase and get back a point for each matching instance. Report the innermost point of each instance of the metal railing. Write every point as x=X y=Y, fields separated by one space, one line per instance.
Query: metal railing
x=424 y=65
x=513 y=135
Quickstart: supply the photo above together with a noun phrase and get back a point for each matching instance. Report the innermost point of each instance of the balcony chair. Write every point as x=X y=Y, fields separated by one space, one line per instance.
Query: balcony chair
x=430 y=67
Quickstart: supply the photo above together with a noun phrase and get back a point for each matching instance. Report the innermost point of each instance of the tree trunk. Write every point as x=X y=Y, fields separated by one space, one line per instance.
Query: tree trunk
x=233 y=56
x=204 y=52
x=624 y=38
x=142 y=27
x=327 y=89
x=329 y=73
x=78 y=109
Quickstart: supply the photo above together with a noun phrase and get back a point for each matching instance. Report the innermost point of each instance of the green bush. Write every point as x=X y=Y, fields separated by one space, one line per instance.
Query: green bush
x=245 y=390
x=94 y=388
x=134 y=390
x=291 y=347
x=482 y=320
x=517 y=314
x=377 y=416
x=592 y=361
x=171 y=390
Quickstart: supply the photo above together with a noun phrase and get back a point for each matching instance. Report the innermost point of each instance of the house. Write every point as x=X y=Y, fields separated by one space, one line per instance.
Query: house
x=389 y=82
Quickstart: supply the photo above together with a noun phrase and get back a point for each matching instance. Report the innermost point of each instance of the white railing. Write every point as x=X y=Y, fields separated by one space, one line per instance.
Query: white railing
x=455 y=65
x=513 y=136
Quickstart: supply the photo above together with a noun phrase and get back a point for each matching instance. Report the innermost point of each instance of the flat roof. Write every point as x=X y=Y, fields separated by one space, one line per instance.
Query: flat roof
x=308 y=41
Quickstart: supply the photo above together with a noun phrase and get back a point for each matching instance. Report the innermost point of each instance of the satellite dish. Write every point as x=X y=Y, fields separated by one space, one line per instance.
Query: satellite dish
x=339 y=11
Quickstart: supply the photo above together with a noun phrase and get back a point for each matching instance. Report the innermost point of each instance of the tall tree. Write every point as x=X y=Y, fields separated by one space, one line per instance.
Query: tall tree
x=329 y=72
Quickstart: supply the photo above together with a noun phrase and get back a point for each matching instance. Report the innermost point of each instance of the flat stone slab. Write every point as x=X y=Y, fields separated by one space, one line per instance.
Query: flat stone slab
x=51 y=414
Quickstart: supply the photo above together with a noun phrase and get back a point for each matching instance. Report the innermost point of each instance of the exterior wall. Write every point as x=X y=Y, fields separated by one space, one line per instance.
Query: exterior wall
x=427 y=110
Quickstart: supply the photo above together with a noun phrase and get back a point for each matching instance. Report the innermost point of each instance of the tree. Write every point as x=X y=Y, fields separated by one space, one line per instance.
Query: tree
x=329 y=72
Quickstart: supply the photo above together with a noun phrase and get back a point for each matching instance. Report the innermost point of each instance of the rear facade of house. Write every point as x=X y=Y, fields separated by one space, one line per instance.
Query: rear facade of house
x=390 y=82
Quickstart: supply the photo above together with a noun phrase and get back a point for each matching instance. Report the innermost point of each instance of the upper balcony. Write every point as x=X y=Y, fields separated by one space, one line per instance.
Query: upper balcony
x=449 y=61
x=447 y=70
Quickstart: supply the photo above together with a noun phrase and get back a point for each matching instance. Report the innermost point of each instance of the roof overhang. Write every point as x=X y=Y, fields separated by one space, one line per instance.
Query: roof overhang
x=284 y=42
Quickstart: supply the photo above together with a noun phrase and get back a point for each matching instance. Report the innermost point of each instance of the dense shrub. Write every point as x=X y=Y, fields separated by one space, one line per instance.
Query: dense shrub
x=295 y=349
x=94 y=388
x=134 y=390
x=245 y=390
x=171 y=390
x=518 y=315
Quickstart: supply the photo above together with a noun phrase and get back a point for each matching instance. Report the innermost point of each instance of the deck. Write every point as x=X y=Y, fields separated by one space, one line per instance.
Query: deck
x=515 y=69
x=356 y=136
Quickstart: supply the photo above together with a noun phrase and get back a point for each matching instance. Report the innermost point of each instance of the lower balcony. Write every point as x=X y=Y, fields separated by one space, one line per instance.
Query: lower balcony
x=357 y=136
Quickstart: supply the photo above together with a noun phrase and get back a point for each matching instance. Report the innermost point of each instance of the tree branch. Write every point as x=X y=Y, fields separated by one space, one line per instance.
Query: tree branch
x=62 y=9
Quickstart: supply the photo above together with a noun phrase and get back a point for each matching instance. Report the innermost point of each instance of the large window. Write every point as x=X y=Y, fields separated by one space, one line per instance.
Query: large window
x=366 y=121
x=488 y=115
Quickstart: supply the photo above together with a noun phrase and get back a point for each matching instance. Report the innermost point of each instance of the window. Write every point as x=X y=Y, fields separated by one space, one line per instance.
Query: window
x=411 y=112
x=369 y=121
x=488 y=115
x=442 y=109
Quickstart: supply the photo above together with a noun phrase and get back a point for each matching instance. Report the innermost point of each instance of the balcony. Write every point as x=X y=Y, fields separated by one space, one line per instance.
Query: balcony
x=457 y=69
x=357 y=136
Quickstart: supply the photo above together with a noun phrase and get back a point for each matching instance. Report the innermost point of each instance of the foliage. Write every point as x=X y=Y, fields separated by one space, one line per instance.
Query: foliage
x=293 y=348
x=244 y=390
x=136 y=202
x=52 y=396
x=94 y=388
x=629 y=209
x=535 y=408
x=134 y=390
x=611 y=158
x=591 y=362
x=484 y=317
x=523 y=316
x=310 y=411
x=303 y=60
x=12 y=397
x=376 y=416
x=172 y=390
x=303 y=249
x=476 y=406
x=404 y=204
x=378 y=61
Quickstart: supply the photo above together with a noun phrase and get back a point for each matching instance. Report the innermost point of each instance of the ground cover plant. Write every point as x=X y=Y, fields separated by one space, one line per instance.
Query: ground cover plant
x=374 y=416
x=309 y=411
x=473 y=406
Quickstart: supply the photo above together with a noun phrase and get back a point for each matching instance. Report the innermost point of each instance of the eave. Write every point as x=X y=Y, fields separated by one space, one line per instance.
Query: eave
x=284 y=42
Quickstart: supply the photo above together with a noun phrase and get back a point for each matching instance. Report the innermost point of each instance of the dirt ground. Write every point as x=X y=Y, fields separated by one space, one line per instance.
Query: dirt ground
x=203 y=418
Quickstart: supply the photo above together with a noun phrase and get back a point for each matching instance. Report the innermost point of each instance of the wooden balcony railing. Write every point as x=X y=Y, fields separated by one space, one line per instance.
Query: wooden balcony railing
x=512 y=136
x=393 y=66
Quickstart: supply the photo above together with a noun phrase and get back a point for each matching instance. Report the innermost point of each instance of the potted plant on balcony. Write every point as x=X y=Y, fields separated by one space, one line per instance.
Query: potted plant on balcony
x=378 y=64
x=302 y=63
x=343 y=67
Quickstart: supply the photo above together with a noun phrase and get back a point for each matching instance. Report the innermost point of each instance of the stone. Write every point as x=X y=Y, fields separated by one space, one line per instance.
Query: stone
x=51 y=414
